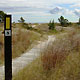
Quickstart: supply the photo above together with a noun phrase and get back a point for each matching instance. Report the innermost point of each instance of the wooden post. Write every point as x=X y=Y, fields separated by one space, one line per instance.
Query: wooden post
x=8 y=47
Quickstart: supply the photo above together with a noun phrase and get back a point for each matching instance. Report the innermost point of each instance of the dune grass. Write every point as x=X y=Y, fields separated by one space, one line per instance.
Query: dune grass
x=60 y=61
x=21 y=42
x=33 y=71
x=1 y=49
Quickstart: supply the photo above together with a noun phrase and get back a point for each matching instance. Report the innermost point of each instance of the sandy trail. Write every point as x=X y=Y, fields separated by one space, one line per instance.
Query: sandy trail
x=20 y=62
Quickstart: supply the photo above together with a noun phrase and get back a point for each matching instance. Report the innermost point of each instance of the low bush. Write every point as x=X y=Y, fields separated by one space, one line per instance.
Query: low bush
x=51 y=25
x=64 y=22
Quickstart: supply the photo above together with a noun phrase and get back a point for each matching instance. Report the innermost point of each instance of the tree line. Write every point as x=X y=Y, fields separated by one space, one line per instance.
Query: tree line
x=2 y=15
x=63 y=22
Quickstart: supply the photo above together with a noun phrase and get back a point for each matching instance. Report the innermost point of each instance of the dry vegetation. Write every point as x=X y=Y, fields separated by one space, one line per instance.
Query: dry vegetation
x=21 y=41
x=1 y=49
x=60 y=61
x=60 y=49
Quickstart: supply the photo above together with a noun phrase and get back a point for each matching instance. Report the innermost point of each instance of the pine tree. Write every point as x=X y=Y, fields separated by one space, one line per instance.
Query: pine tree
x=63 y=21
x=21 y=20
x=51 y=25
x=2 y=15
x=79 y=21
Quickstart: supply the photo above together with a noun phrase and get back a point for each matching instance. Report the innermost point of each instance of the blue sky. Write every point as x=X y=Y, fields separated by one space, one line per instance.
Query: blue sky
x=41 y=11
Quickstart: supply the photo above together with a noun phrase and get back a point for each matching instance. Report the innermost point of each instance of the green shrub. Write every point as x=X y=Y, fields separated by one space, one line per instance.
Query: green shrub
x=2 y=15
x=51 y=25
x=64 y=22
x=79 y=22
x=21 y=20
x=29 y=28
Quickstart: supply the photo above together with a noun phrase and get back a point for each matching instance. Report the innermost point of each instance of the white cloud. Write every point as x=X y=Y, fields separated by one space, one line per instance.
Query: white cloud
x=56 y=10
x=37 y=3
x=46 y=4
x=29 y=12
x=60 y=10
x=40 y=7
x=76 y=5
x=77 y=12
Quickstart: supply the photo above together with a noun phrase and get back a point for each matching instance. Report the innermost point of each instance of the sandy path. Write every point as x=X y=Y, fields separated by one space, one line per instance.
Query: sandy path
x=20 y=62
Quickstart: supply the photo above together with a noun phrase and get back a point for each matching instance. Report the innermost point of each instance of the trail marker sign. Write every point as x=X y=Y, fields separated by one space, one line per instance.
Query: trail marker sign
x=8 y=47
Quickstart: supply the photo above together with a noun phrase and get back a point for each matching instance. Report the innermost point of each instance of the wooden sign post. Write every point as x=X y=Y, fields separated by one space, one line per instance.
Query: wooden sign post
x=8 y=47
